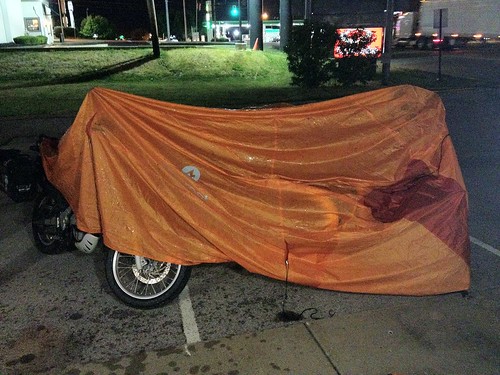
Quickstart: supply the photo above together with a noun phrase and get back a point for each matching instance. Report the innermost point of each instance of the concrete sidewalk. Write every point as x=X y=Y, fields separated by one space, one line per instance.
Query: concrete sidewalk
x=449 y=335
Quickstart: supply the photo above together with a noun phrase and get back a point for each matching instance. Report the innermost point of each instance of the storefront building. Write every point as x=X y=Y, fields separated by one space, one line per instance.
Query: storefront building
x=25 y=17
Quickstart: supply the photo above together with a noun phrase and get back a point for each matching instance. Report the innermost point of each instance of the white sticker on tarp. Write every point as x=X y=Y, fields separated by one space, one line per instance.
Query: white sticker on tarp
x=192 y=172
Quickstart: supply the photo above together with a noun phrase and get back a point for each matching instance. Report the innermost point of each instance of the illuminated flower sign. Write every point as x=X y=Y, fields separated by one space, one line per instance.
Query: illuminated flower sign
x=359 y=42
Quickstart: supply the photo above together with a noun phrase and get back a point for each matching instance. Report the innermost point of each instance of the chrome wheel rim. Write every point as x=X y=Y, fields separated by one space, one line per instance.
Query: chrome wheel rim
x=154 y=279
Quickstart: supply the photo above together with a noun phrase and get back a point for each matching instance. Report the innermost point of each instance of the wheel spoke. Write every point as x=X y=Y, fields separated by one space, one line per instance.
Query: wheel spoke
x=147 y=284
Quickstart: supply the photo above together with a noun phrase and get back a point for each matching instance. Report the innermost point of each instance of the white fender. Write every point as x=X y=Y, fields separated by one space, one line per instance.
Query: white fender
x=88 y=243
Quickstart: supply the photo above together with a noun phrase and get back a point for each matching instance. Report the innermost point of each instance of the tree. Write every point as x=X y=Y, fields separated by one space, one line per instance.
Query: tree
x=310 y=53
x=97 y=25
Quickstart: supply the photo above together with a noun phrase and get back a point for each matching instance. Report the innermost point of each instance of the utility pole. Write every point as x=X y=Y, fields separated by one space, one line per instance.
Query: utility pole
x=154 y=28
x=307 y=9
x=185 y=22
x=286 y=22
x=239 y=21
x=196 y=11
x=61 y=36
x=214 y=17
x=255 y=19
x=386 y=57
x=168 y=20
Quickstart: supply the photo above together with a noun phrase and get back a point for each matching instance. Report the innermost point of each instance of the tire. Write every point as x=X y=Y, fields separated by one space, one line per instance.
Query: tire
x=155 y=285
x=425 y=44
x=48 y=237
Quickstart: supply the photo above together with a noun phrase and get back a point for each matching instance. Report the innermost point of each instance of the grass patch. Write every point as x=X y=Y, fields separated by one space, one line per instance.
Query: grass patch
x=27 y=68
x=54 y=82
x=31 y=68
x=217 y=63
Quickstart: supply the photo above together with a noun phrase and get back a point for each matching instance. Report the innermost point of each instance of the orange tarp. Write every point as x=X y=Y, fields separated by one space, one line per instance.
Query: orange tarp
x=362 y=194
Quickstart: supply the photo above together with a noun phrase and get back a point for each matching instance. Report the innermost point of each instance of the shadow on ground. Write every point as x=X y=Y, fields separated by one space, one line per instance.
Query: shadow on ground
x=90 y=75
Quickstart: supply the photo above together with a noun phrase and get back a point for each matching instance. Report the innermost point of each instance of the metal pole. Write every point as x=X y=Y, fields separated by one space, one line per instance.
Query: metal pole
x=307 y=9
x=61 y=36
x=440 y=42
x=286 y=22
x=214 y=16
x=185 y=22
x=196 y=17
x=168 y=20
x=255 y=19
x=386 y=56
x=239 y=21
x=154 y=28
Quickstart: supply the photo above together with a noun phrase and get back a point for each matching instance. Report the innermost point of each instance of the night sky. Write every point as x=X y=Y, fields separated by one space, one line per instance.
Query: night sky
x=132 y=15
x=128 y=15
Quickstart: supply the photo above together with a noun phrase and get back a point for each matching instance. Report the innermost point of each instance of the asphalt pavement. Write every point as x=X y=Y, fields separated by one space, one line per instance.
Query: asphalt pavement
x=451 y=334
x=445 y=335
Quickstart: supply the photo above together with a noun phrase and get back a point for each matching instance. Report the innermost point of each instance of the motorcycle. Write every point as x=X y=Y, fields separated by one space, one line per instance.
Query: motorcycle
x=137 y=281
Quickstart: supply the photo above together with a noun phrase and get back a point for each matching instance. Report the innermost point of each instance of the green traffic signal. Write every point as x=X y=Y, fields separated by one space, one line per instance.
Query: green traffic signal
x=234 y=11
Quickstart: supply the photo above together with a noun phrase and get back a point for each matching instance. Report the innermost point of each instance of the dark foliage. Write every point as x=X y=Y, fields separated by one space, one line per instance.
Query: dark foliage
x=97 y=27
x=310 y=53
x=357 y=61
x=30 y=40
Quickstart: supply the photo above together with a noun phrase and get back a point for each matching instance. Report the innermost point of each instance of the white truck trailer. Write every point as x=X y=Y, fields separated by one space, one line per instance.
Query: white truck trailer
x=461 y=21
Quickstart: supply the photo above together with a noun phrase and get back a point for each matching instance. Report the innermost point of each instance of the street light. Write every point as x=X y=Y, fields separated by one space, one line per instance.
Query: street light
x=236 y=12
x=265 y=15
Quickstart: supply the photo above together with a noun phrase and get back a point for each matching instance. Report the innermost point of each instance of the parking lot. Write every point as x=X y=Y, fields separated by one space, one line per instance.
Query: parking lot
x=57 y=310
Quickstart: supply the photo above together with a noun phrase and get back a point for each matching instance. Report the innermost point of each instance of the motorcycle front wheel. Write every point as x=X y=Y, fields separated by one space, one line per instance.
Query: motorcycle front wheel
x=147 y=286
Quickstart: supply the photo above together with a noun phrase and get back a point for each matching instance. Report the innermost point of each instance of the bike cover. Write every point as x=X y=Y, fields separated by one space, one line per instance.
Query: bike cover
x=360 y=194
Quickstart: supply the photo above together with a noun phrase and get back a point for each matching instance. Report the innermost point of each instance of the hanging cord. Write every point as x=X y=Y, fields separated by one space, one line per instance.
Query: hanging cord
x=286 y=315
x=292 y=316
x=441 y=145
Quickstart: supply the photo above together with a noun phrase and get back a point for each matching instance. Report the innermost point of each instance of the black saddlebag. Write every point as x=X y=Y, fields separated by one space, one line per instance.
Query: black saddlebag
x=18 y=175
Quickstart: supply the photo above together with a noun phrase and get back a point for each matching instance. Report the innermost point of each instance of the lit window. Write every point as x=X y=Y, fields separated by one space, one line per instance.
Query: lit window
x=32 y=24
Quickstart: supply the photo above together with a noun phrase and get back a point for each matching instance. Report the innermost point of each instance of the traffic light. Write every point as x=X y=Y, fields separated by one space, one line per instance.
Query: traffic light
x=234 y=11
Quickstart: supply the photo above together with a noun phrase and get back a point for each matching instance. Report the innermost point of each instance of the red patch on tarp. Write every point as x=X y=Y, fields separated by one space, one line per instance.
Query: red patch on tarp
x=422 y=196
